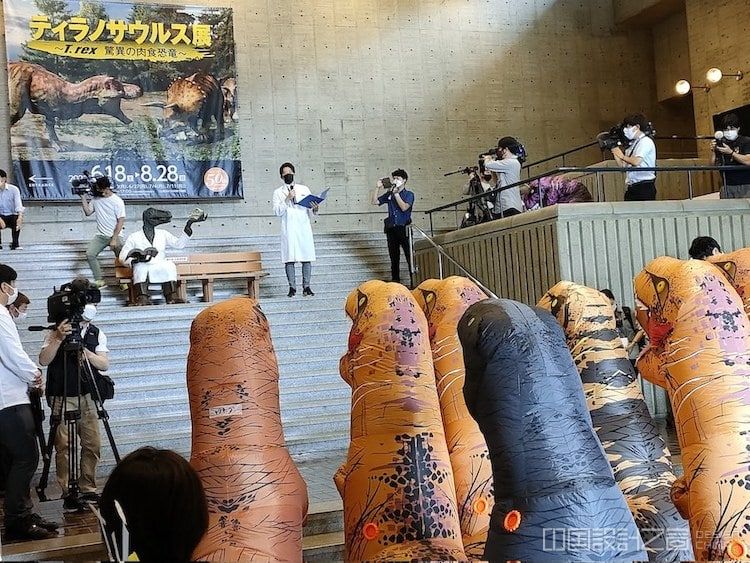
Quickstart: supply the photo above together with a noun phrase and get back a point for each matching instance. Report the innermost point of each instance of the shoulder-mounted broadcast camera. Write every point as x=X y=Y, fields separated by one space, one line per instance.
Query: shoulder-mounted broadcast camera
x=615 y=137
x=85 y=184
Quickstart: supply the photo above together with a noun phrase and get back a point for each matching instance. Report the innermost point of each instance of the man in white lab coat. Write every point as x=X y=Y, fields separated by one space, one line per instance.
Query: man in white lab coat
x=296 y=232
x=144 y=251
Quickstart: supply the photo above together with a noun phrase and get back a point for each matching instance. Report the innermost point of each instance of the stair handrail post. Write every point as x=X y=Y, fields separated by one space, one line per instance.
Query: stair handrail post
x=443 y=254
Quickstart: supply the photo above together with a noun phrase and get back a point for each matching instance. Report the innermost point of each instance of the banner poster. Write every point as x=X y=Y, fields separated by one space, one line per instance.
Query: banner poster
x=143 y=93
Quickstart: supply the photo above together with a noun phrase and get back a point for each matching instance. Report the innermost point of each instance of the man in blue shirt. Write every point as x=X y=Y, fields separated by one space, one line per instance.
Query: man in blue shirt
x=400 y=202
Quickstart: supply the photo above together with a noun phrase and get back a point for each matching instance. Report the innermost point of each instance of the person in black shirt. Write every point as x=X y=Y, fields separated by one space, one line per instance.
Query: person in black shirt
x=400 y=202
x=733 y=150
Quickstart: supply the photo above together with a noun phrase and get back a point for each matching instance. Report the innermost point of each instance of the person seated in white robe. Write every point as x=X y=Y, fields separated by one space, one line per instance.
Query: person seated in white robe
x=145 y=252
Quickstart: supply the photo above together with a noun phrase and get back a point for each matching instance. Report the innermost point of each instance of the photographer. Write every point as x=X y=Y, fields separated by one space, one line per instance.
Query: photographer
x=641 y=153
x=732 y=150
x=60 y=362
x=11 y=210
x=400 y=202
x=17 y=427
x=110 y=219
x=507 y=168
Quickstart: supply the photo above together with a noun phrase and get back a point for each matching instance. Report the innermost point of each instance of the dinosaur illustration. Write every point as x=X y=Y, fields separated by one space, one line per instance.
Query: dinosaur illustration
x=35 y=89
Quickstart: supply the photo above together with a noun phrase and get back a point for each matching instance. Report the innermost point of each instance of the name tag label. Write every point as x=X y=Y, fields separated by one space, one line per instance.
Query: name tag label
x=224 y=410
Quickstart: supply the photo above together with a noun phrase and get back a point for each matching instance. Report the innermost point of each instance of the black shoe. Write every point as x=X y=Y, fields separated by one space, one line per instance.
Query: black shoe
x=25 y=530
x=307 y=291
x=89 y=498
x=72 y=504
x=292 y=292
x=46 y=524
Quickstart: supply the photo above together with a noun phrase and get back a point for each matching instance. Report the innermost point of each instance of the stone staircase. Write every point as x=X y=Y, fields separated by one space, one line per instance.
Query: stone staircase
x=149 y=345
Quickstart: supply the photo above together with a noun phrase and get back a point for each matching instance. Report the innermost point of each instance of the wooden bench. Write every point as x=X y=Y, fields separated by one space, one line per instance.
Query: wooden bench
x=206 y=268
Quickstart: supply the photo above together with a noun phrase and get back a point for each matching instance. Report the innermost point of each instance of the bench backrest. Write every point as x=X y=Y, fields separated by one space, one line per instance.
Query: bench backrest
x=206 y=263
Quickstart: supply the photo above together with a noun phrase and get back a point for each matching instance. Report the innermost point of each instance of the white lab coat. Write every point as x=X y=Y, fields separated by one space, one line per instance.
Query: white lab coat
x=158 y=269
x=296 y=232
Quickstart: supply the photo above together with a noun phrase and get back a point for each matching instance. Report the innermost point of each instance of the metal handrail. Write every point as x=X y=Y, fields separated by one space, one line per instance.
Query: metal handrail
x=579 y=148
x=560 y=155
x=442 y=253
x=587 y=171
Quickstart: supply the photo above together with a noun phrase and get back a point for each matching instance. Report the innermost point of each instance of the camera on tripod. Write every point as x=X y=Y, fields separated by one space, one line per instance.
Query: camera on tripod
x=68 y=302
x=85 y=184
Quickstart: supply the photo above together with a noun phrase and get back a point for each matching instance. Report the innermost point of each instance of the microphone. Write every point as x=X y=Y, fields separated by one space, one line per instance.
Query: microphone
x=39 y=328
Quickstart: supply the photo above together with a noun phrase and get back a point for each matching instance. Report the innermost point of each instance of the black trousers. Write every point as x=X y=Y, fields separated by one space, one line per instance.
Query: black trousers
x=506 y=213
x=641 y=191
x=397 y=239
x=10 y=223
x=17 y=435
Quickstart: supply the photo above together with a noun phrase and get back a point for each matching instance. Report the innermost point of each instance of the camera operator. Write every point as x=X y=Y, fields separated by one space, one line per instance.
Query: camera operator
x=508 y=170
x=641 y=153
x=17 y=427
x=732 y=150
x=11 y=210
x=110 y=219
x=95 y=359
x=400 y=202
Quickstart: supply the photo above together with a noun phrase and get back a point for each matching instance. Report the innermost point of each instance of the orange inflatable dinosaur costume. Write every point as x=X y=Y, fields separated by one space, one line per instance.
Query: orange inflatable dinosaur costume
x=257 y=500
x=634 y=448
x=700 y=341
x=444 y=302
x=397 y=483
x=736 y=266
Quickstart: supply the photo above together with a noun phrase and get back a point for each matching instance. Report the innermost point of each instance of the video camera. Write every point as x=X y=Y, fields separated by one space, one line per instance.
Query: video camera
x=615 y=137
x=85 y=184
x=68 y=302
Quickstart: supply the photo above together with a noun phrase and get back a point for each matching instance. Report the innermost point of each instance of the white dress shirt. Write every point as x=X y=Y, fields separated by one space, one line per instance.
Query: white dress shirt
x=17 y=371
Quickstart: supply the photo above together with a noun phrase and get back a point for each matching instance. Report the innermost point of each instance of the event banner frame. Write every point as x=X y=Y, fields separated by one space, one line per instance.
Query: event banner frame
x=143 y=93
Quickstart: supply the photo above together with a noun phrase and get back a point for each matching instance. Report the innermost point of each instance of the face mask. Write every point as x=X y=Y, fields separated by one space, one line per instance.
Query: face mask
x=629 y=133
x=398 y=182
x=288 y=179
x=89 y=312
x=12 y=297
x=20 y=317
x=731 y=134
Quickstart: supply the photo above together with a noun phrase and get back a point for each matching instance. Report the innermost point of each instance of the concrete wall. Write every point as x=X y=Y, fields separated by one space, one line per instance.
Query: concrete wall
x=718 y=35
x=351 y=89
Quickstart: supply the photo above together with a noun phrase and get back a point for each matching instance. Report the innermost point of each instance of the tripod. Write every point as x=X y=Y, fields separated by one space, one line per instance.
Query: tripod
x=61 y=412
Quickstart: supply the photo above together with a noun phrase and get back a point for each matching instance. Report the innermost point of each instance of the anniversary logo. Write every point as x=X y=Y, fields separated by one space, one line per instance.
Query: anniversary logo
x=142 y=93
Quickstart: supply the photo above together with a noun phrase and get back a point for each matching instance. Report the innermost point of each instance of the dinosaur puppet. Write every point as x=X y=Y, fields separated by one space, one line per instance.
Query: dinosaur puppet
x=397 y=482
x=699 y=352
x=555 y=497
x=634 y=447
x=144 y=251
x=444 y=302
x=257 y=500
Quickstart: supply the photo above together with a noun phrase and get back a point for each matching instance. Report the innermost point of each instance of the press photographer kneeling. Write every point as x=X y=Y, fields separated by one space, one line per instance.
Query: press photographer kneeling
x=70 y=390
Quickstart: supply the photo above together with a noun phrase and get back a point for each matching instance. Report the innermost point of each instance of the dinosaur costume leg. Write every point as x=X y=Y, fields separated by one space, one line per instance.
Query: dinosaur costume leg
x=170 y=293
x=141 y=294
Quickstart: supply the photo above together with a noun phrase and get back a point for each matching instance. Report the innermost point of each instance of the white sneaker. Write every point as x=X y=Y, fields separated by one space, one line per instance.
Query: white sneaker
x=100 y=283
